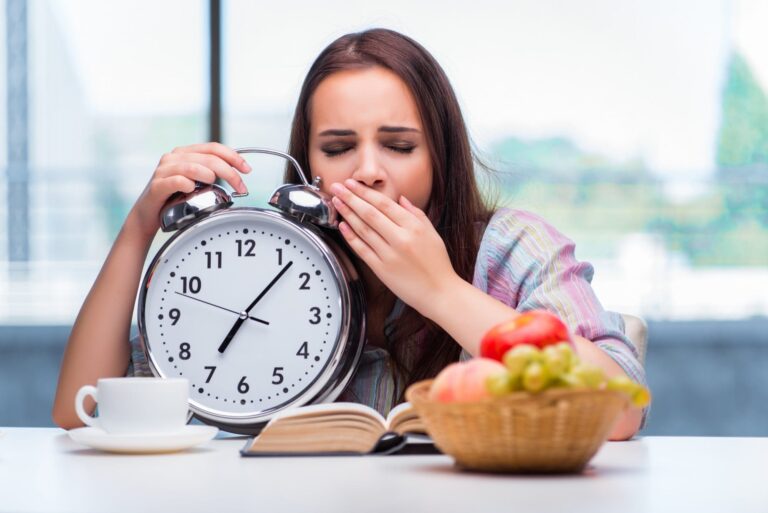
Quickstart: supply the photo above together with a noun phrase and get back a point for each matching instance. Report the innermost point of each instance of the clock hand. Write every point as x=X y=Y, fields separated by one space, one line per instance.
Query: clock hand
x=227 y=309
x=239 y=321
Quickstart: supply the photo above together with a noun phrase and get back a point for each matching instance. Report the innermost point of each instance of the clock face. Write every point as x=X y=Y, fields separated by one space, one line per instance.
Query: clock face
x=247 y=307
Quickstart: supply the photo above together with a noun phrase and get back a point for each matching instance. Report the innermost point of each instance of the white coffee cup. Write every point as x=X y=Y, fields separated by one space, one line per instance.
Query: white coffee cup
x=136 y=405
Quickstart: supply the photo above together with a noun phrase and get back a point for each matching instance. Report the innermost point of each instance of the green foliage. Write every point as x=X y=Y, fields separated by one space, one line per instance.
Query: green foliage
x=743 y=136
x=560 y=159
x=742 y=147
x=591 y=198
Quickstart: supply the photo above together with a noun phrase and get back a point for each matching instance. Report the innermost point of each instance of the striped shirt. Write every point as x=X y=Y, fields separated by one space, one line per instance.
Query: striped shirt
x=526 y=264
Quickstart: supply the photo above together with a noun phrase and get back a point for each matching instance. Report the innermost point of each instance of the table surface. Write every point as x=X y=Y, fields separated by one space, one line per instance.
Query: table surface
x=43 y=470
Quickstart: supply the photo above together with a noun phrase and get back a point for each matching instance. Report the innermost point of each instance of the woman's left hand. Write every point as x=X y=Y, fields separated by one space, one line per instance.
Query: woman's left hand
x=396 y=240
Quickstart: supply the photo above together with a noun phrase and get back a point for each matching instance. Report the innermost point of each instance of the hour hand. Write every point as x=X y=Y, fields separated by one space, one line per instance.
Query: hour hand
x=230 y=335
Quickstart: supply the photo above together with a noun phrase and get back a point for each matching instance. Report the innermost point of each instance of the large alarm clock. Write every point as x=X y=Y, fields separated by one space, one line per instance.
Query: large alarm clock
x=259 y=309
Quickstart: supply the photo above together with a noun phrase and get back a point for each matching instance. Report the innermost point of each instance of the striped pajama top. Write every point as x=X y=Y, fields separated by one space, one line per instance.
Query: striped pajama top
x=525 y=263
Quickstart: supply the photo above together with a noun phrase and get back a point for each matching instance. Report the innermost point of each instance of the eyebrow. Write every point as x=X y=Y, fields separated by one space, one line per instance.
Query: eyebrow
x=387 y=129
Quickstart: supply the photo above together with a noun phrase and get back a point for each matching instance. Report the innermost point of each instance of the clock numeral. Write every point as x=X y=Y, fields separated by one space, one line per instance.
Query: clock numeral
x=243 y=387
x=305 y=277
x=184 y=352
x=209 y=258
x=316 y=311
x=212 y=369
x=304 y=350
x=250 y=243
x=193 y=284
x=175 y=315
x=277 y=373
x=279 y=256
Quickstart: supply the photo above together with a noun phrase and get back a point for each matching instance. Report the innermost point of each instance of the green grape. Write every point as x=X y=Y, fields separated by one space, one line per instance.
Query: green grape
x=641 y=397
x=591 y=375
x=620 y=380
x=569 y=356
x=622 y=383
x=535 y=377
x=554 y=361
x=499 y=384
x=569 y=380
x=517 y=358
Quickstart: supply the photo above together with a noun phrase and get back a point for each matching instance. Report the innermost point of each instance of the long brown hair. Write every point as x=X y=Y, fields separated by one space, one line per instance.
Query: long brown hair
x=456 y=207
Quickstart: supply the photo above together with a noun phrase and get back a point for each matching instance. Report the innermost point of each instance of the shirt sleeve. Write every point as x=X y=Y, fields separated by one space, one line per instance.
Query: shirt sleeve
x=138 y=366
x=527 y=264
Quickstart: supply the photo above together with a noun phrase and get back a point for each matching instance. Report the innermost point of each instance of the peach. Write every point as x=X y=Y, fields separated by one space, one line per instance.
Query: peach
x=465 y=381
x=443 y=387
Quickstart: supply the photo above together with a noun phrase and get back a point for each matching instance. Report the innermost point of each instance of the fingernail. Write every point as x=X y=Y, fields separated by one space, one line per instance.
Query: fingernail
x=247 y=166
x=350 y=183
x=337 y=188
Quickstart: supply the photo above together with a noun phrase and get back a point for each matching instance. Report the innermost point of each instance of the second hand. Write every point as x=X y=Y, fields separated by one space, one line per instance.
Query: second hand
x=242 y=315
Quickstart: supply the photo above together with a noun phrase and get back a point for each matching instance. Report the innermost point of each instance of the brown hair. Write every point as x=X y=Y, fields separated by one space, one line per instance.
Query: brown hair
x=456 y=207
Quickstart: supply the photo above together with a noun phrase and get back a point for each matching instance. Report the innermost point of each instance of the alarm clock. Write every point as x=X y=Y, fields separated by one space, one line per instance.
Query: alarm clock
x=258 y=308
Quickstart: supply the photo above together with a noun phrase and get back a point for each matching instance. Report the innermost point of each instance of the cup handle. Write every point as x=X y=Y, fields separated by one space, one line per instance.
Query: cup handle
x=81 y=395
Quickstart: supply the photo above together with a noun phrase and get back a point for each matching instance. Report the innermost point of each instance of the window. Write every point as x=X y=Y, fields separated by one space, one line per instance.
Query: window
x=647 y=125
x=638 y=130
x=104 y=103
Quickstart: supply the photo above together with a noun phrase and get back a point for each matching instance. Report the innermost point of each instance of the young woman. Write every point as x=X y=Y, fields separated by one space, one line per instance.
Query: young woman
x=378 y=120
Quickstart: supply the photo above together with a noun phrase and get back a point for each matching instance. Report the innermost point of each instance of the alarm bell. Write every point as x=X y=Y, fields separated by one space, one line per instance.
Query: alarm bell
x=304 y=201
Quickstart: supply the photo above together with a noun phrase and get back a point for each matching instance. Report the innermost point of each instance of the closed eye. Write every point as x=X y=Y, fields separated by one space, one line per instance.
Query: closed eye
x=332 y=152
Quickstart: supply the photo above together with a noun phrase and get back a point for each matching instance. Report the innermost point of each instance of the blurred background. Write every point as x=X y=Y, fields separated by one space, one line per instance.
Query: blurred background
x=639 y=129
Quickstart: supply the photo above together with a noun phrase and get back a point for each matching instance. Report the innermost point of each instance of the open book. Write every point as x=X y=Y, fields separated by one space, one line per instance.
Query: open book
x=339 y=428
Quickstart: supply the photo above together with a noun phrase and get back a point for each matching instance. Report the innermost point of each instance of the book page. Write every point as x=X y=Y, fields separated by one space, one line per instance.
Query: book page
x=403 y=418
x=329 y=409
x=394 y=412
x=325 y=432
x=319 y=441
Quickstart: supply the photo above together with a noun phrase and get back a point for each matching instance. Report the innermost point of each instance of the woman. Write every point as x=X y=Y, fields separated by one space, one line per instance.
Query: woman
x=378 y=121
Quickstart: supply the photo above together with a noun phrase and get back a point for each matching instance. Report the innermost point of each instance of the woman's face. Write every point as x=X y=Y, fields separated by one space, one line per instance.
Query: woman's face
x=365 y=125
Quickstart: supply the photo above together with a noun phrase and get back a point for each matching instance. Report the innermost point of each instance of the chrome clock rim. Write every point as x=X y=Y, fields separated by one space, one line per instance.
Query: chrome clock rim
x=348 y=346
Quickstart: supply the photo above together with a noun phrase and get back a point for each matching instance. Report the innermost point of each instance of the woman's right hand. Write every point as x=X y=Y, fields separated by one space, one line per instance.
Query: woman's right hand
x=178 y=171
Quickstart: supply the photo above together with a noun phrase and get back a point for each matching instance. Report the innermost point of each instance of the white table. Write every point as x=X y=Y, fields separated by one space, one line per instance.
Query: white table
x=43 y=470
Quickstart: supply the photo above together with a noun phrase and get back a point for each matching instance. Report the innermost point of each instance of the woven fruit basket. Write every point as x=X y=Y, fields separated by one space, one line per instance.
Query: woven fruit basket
x=555 y=431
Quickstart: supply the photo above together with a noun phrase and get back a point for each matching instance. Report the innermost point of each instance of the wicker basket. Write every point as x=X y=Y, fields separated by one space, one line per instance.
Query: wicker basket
x=558 y=430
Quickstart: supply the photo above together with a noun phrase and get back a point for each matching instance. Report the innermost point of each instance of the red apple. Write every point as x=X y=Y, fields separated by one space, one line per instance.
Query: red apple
x=536 y=327
x=465 y=381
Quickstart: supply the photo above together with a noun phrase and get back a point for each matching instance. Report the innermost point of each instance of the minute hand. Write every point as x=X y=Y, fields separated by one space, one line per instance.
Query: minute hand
x=240 y=320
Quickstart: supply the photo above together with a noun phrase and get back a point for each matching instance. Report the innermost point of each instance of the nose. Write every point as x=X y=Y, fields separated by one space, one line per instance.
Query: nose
x=369 y=169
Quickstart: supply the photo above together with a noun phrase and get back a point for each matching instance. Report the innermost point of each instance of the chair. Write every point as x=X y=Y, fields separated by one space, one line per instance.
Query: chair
x=636 y=330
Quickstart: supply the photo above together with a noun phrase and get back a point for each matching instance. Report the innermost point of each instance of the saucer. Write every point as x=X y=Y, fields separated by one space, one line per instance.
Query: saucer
x=143 y=443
